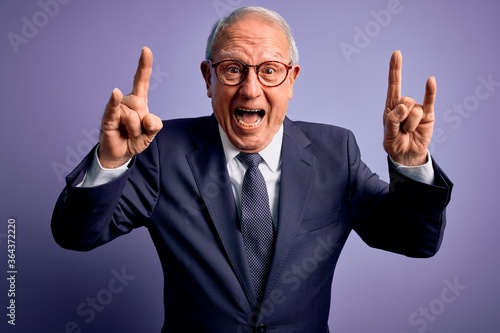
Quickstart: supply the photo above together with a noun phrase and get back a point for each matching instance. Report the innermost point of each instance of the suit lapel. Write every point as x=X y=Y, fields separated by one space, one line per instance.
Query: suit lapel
x=209 y=169
x=297 y=174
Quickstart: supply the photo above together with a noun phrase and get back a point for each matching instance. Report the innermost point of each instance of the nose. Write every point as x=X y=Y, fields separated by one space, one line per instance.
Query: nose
x=251 y=87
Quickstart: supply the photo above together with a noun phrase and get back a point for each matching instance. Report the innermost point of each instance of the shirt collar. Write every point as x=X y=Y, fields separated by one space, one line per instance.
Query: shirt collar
x=271 y=154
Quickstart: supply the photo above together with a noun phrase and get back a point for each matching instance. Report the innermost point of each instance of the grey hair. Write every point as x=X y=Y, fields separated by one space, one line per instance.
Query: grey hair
x=237 y=15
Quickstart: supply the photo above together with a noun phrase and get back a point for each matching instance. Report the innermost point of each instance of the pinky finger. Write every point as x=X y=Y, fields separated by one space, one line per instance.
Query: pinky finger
x=430 y=94
x=113 y=106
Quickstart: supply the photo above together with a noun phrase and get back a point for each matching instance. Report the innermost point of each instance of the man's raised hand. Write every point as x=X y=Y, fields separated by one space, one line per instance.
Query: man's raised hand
x=408 y=126
x=127 y=127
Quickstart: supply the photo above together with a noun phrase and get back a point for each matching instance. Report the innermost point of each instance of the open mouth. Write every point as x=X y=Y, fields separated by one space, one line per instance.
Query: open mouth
x=249 y=117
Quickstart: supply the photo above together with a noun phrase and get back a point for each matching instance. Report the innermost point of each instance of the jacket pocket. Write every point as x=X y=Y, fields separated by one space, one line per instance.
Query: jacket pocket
x=321 y=221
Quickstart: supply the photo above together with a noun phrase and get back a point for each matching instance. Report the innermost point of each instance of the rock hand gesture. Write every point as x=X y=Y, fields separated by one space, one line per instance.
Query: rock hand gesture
x=127 y=127
x=408 y=126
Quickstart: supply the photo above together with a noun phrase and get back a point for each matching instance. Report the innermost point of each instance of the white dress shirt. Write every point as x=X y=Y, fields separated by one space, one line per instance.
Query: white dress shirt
x=270 y=169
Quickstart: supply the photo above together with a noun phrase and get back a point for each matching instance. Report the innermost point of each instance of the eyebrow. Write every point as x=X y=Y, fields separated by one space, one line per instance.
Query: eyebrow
x=230 y=53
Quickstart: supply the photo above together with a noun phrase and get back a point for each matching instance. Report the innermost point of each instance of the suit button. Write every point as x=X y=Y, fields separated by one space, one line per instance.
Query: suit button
x=261 y=329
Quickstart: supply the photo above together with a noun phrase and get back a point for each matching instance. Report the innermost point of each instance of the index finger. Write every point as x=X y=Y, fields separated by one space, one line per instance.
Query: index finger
x=394 y=86
x=143 y=73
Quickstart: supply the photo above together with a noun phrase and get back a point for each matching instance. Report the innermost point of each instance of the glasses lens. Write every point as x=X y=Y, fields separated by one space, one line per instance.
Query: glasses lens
x=272 y=73
x=231 y=72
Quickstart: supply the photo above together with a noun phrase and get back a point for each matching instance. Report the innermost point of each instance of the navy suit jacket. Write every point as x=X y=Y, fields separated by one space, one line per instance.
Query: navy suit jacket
x=179 y=189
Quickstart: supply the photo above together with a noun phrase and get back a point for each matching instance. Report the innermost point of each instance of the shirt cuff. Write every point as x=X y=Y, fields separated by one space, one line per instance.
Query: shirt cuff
x=97 y=175
x=422 y=173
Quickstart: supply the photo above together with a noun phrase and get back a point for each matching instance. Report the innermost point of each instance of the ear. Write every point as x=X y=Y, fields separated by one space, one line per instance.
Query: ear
x=207 y=76
x=292 y=76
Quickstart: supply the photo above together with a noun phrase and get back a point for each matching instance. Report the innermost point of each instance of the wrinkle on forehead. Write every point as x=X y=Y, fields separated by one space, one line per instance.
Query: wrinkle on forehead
x=265 y=55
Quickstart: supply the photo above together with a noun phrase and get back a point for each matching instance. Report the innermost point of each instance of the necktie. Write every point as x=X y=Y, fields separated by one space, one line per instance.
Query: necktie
x=256 y=224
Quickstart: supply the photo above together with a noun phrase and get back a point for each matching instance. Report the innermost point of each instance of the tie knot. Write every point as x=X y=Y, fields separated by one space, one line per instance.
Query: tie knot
x=251 y=160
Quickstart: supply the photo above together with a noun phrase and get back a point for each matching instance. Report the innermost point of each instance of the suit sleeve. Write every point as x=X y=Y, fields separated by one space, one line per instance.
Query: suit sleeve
x=84 y=218
x=405 y=216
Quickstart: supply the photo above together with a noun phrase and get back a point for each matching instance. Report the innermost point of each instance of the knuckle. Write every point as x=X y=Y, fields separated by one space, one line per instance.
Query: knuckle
x=416 y=112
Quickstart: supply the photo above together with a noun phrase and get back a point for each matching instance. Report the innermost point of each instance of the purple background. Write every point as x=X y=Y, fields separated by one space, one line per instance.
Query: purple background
x=55 y=84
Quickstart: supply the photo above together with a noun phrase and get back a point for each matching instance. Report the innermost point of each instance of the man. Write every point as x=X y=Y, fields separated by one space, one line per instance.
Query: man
x=185 y=180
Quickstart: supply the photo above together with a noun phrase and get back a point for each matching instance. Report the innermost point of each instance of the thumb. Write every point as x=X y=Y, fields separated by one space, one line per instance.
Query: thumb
x=395 y=119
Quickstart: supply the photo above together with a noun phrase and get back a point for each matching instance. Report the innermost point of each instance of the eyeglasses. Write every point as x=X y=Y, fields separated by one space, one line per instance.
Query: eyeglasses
x=233 y=72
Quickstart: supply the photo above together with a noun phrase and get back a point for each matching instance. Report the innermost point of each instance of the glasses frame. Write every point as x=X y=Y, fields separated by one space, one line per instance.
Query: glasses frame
x=246 y=66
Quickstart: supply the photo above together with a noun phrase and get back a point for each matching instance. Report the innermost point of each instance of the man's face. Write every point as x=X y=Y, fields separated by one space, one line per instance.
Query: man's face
x=252 y=40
